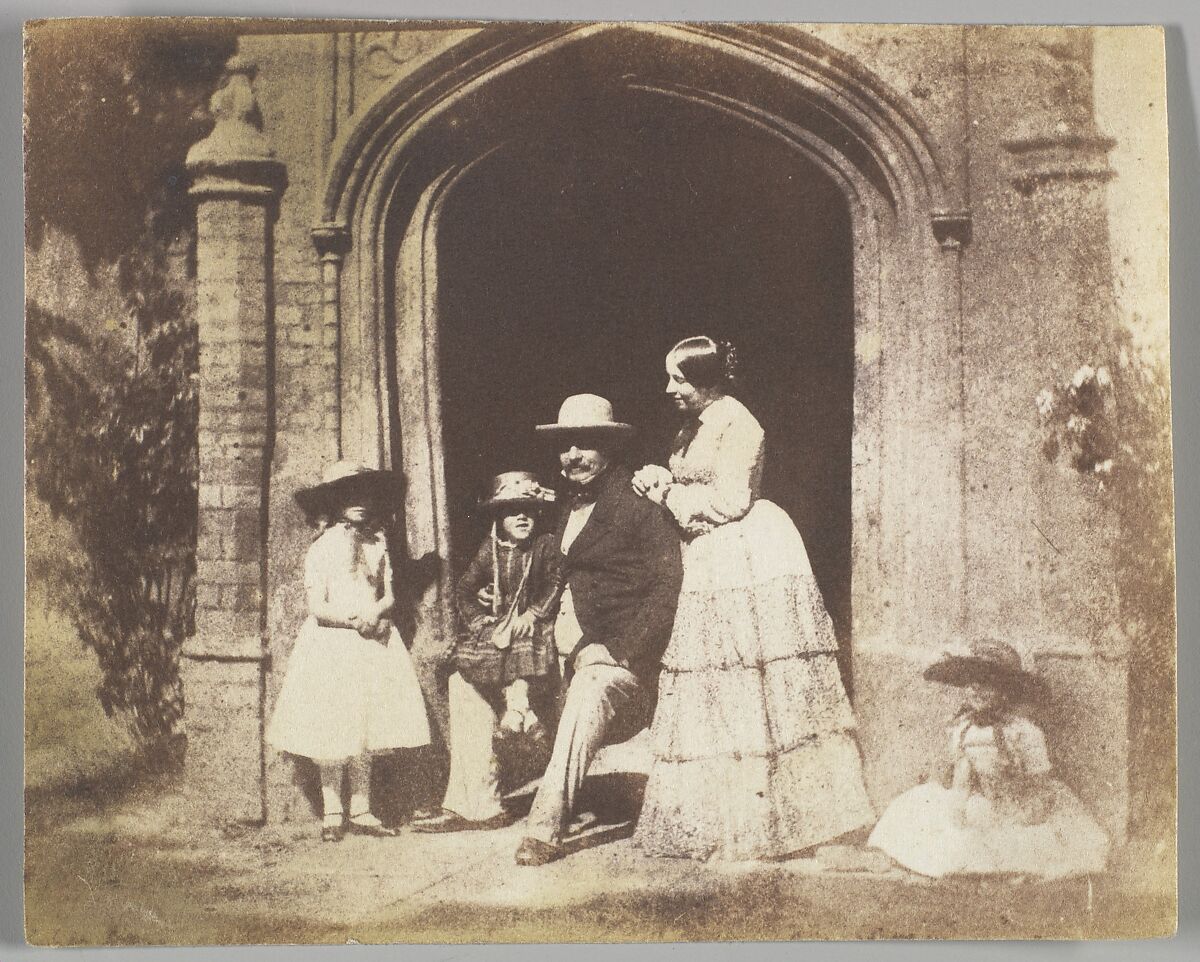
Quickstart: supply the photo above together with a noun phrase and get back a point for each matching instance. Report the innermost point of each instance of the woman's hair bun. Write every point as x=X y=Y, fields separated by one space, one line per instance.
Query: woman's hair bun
x=730 y=358
x=707 y=362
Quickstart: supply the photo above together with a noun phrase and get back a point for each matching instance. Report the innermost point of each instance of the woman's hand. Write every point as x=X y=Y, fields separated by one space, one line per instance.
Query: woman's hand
x=658 y=493
x=485 y=596
x=651 y=478
x=380 y=630
x=375 y=622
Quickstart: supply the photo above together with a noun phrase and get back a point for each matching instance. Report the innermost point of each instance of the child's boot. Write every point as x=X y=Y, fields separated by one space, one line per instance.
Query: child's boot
x=516 y=707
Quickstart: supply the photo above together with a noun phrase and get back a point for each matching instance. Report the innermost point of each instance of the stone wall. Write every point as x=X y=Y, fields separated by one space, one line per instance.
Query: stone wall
x=1038 y=303
x=1009 y=115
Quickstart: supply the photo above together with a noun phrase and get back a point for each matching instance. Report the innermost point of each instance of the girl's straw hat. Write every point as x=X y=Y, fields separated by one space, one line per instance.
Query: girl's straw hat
x=346 y=481
x=515 y=489
x=986 y=662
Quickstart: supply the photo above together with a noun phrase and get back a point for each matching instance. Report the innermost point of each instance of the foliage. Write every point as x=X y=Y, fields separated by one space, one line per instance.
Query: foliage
x=1080 y=415
x=111 y=438
x=111 y=426
x=1111 y=424
x=108 y=125
x=47 y=372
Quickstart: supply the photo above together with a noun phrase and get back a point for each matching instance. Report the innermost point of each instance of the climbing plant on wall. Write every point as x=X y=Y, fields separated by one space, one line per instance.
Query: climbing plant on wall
x=111 y=421
x=1110 y=425
x=113 y=450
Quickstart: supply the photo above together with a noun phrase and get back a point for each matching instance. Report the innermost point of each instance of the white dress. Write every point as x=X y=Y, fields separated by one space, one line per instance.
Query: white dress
x=755 y=754
x=1002 y=813
x=344 y=694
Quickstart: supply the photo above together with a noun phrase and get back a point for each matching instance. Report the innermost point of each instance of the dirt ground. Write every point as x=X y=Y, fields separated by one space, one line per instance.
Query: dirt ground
x=118 y=857
x=144 y=869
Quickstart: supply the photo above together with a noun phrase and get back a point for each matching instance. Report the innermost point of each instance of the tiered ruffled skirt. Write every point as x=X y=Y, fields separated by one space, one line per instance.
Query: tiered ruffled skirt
x=755 y=753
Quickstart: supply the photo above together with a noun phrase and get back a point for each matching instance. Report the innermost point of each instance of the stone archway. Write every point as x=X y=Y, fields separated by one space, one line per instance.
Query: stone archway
x=416 y=140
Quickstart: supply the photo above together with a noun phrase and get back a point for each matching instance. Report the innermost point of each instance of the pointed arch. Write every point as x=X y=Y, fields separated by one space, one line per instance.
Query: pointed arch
x=798 y=80
x=416 y=140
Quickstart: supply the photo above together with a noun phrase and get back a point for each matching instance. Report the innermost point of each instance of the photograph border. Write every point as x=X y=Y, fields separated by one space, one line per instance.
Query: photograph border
x=1182 y=39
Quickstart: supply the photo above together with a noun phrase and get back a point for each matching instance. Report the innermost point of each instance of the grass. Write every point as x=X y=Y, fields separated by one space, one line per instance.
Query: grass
x=140 y=872
x=69 y=741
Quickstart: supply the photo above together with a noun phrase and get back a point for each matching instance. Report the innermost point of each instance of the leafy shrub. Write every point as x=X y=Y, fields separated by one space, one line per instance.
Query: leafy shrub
x=112 y=448
x=111 y=424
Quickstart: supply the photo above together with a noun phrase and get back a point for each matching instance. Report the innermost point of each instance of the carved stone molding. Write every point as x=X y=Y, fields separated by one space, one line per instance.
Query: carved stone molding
x=952 y=228
x=236 y=159
x=383 y=54
x=331 y=240
x=1059 y=156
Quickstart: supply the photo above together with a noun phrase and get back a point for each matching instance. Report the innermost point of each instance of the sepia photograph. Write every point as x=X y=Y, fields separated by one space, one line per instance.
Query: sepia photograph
x=524 y=481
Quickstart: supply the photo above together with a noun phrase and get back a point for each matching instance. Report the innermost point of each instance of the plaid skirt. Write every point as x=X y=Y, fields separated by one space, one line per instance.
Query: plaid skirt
x=481 y=663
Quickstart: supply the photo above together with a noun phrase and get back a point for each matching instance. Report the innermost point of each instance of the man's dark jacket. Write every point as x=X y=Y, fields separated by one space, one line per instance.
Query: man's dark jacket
x=624 y=572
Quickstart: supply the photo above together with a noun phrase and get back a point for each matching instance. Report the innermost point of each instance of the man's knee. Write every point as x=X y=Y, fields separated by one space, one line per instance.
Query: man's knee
x=588 y=683
x=596 y=690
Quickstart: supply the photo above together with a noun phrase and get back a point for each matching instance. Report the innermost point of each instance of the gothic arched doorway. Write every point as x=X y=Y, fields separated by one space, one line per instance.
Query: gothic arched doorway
x=445 y=192
x=572 y=262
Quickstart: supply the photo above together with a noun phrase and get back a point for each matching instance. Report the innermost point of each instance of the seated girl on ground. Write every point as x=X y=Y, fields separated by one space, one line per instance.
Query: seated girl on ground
x=994 y=808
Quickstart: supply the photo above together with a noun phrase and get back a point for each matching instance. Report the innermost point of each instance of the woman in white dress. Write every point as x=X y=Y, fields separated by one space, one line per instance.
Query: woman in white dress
x=755 y=754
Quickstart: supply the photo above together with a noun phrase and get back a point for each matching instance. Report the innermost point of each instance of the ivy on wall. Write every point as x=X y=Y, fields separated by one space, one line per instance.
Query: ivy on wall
x=111 y=422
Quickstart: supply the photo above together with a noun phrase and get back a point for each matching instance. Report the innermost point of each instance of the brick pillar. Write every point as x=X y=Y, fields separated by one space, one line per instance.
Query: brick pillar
x=236 y=183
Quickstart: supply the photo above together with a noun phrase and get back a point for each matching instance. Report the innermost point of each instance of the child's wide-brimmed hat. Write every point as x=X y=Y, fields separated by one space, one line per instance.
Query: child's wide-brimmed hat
x=517 y=489
x=344 y=482
x=586 y=416
x=987 y=662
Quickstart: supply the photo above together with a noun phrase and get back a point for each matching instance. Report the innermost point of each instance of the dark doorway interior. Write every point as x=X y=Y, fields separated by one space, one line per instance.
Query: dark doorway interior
x=573 y=260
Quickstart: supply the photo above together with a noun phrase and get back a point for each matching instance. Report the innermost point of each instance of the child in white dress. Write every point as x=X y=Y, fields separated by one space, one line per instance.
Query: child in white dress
x=350 y=690
x=995 y=808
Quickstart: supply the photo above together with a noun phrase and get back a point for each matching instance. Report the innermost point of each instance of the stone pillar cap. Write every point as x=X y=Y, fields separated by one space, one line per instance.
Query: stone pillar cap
x=237 y=137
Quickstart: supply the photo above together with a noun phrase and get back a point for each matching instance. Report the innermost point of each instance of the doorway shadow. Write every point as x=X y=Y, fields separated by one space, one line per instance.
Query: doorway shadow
x=571 y=260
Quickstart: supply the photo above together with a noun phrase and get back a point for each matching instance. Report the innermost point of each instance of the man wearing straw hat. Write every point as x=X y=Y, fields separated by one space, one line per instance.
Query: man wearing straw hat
x=622 y=572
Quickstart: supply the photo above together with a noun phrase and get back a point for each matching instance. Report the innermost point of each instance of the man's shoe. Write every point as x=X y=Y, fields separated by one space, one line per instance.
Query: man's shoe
x=333 y=833
x=443 y=821
x=533 y=851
